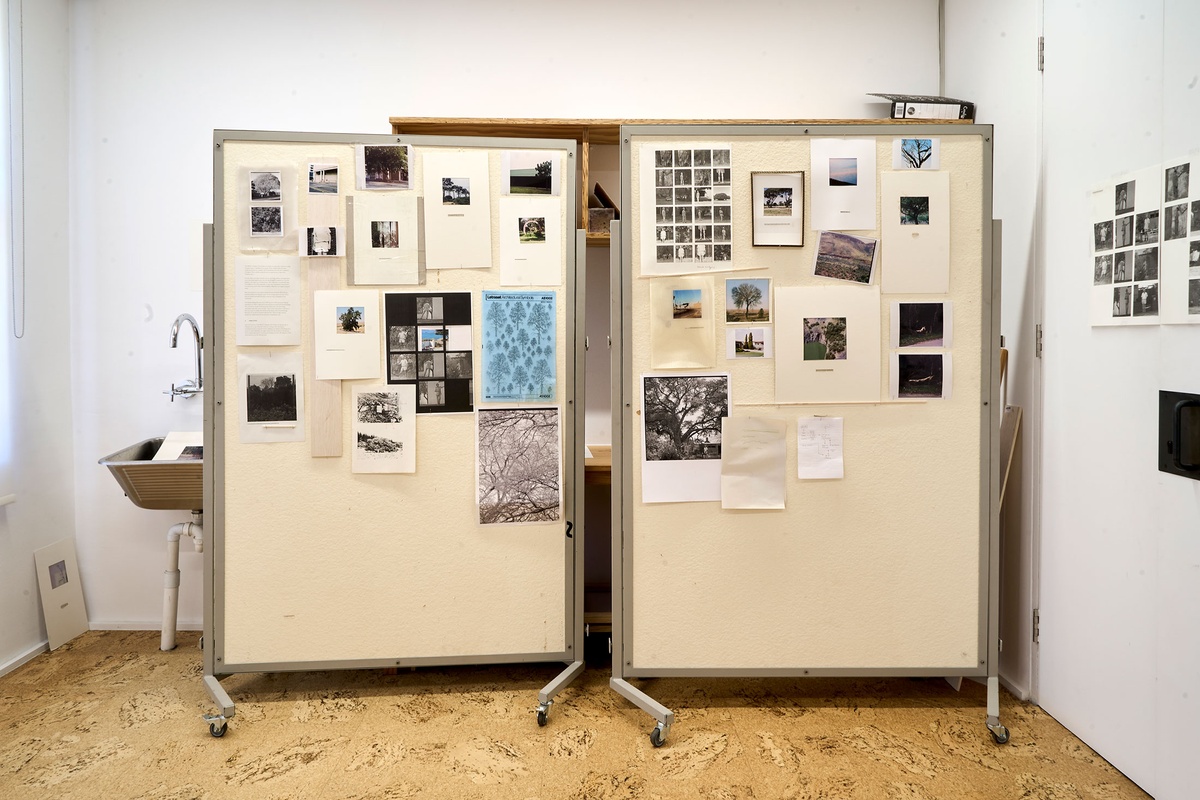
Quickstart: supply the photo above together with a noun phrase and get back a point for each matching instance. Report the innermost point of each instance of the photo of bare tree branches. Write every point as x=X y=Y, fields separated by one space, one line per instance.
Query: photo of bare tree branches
x=519 y=463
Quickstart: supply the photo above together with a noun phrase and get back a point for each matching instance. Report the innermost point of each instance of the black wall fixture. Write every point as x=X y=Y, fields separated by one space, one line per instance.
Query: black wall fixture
x=1179 y=434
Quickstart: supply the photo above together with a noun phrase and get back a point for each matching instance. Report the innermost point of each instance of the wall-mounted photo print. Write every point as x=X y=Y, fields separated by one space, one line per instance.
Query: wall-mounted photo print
x=845 y=257
x=58 y=574
x=916 y=154
x=385 y=234
x=1175 y=182
x=921 y=324
x=692 y=191
x=519 y=469
x=843 y=172
x=1145 y=229
x=1145 y=264
x=1195 y=216
x=686 y=304
x=382 y=166
x=1122 y=269
x=1145 y=300
x=748 y=300
x=1103 y=232
x=266 y=220
x=916 y=226
x=429 y=346
x=384 y=429
x=1175 y=222
x=271 y=397
x=681 y=435
x=456 y=191
x=322 y=241
x=266 y=186
x=433 y=339
x=914 y=210
x=844 y=196
x=920 y=376
x=778 y=209
x=1125 y=197
x=532 y=229
x=743 y=342
x=1121 y=301
x=347 y=333
x=322 y=178
x=402 y=367
x=530 y=172
x=824 y=338
x=350 y=319
x=1124 y=231
x=1194 y=296
x=430 y=308
x=1104 y=266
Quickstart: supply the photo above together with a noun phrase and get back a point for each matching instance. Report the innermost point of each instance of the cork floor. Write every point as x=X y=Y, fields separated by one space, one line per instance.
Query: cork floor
x=111 y=716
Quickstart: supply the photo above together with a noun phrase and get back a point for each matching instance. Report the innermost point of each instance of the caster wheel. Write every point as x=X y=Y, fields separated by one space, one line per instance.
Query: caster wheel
x=656 y=737
x=999 y=734
x=541 y=716
x=218 y=730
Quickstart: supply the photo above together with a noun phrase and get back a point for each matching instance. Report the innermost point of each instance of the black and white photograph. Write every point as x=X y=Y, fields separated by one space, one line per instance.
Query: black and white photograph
x=701 y=177
x=664 y=214
x=1121 y=301
x=722 y=233
x=58 y=574
x=722 y=252
x=1195 y=216
x=323 y=241
x=1193 y=296
x=456 y=191
x=1103 y=270
x=384 y=166
x=664 y=158
x=664 y=196
x=266 y=220
x=1103 y=234
x=915 y=211
x=385 y=234
x=664 y=177
x=1145 y=300
x=431 y=394
x=691 y=175
x=271 y=398
x=919 y=375
x=1124 y=197
x=1122 y=269
x=1193 y=258
x=458 y=365
x=266 y=186
x=402 y=367
x=683 y=158
x=431 y=365
x=702 y=158
x=683 y=416
x=1124 y=231
x=322 y=178
x=384 y=429
x=519 y=461
x=1175 y=222
x=824 y=338
x=402 y=338
x=845 y=257
x=720 y=158
x=1175 y=182
x=922 y=324
x=1145 y=229
x=429 y=309
x=664 y=233
x=378 y=407
x=1145 y=264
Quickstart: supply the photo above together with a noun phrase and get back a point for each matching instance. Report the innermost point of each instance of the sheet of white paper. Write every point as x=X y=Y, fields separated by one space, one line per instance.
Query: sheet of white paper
x=61 y=591
x=348 y=329
x=181 y=446
x=385 y=428
x=749 y=341
x=681 y=436
x=458 y=215
x=686 y=209
x=525 y=172
x=843 y=184
x=386 y=247
x=828 y=340
x=682 y=330
x=916 y=375
x=753 y=463
x=270 y=396
x=917 y=153
x=922 y=324
x=267 y=300
x=819 y=448
x=530 y=241
x=916 y=227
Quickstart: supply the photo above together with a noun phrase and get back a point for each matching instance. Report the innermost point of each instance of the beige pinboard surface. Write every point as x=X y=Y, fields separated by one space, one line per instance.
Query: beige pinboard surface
x=320 y=564
x=879 y=570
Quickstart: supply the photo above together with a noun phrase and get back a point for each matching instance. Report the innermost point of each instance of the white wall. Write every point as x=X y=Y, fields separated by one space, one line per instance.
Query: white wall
x=39 y=375
x=150 y=81
x=1120 y=588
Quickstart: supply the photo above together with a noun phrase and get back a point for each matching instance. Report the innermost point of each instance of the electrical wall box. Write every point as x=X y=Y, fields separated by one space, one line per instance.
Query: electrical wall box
x=1179 y=434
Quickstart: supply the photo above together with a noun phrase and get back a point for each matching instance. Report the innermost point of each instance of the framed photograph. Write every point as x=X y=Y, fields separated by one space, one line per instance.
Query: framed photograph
x=778 y=212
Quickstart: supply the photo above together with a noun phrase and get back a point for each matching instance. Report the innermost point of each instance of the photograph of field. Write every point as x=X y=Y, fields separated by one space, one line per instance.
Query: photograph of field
x=747 y=299
x=843 y=172
x=914 y=210
x=824 y=338
x=530 y=173
x=845 y=257
x=686 y=304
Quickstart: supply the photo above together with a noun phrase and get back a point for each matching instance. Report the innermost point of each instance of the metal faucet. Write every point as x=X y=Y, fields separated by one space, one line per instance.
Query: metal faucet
x=187 y=388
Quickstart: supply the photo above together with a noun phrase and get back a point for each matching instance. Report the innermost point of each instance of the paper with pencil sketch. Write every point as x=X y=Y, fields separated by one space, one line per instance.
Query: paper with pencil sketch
x=819 y=448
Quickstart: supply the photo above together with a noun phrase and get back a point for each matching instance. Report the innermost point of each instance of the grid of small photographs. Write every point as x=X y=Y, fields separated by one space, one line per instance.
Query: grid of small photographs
x=1126 y=250
x=266 y=202
x=693 y=206
x=429 y=344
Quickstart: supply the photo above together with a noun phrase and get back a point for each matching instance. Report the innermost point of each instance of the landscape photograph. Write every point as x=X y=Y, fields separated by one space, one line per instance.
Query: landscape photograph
x=824 y=338
x=845 y=257
x=843 y=172
x=921 y=324
x=686 y=304
x=683 y=416
x=265 y=186
x=747 y=299
x=456 y=191
x=529 y=173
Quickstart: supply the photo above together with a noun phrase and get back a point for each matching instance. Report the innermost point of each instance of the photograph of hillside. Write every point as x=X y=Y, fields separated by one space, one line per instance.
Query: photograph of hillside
x=845 y=257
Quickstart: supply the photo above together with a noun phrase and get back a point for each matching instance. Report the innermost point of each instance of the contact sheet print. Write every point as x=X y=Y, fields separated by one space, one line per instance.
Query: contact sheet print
x=687 y=201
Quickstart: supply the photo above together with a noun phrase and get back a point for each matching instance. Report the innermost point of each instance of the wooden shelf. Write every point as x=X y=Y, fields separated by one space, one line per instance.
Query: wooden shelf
x=598 y=468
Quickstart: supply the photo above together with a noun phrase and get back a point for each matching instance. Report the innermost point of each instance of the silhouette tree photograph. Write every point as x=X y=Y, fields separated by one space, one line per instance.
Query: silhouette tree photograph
x=683 y=416
x=916 y=152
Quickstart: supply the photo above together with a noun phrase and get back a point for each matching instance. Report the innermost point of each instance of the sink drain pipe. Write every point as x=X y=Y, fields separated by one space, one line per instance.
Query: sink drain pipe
x=171 y=576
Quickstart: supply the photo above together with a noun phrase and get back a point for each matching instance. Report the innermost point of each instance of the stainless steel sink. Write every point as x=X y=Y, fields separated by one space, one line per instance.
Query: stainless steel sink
x=158 y=485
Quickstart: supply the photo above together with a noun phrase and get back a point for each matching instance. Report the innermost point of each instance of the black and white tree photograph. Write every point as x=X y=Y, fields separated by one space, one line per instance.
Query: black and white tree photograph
x=271 y=398
x=379 y=407
x=664 y=158
x=266 y=186
x=1145 y=264
x=385 y=166
x=682 y=416
x=266 y=220
x=384 y=429
x=519 y=465
x=458 y=365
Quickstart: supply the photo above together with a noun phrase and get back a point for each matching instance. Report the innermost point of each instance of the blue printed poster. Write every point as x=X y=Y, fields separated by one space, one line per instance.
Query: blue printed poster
x=519 y=338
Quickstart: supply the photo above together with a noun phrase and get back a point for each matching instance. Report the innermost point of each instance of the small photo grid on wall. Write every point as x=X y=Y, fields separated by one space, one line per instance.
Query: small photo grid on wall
x=266 y=202
x=921 y=335
x=1130 y=227
x=430 y=345
x=693 y=205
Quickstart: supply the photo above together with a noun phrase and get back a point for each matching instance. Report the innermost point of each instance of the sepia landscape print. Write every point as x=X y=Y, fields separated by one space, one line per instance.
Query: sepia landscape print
x=845 y=257
x=824 y=338
x=271 y=398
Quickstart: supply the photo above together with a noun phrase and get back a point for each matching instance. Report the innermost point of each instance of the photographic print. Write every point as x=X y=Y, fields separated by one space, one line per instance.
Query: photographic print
x=845 y=257
x=1175 y=222
x=1194 y=257
x=266 y=220
x=1194 y=296
x=1145 y=300
x=1103 y=270
x=1175 y=182
x=440 y=362
x=384 y=429
x=1145 y=229
x=747 y=299
x=844 y=194
x=383 y=166
x=686 y=304
x=266 y=186
x=1124 y=231
x=1121 y=267
x=920 y=376
x=1195 y=216
x=1121 y=301
x=322 y=241
x=843 y=172
x=519 y=461
x=683 y=417
x=778 y=209
x=1124 y=197
x=916 y=153
x=1103 y=235
x=914 y=210
x=58 y=574
x=271 y=398
x=350 y=319
x=530 y=171
x=824 y=338
x=748 y=342
x=322 y=178
x=519 y=346
x=456 y=191
x=664 y=158
x=920 y=325
x=192 y=452
x=1145 y=264
x=532 y=229
x=385 y=234
x=684 y=193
